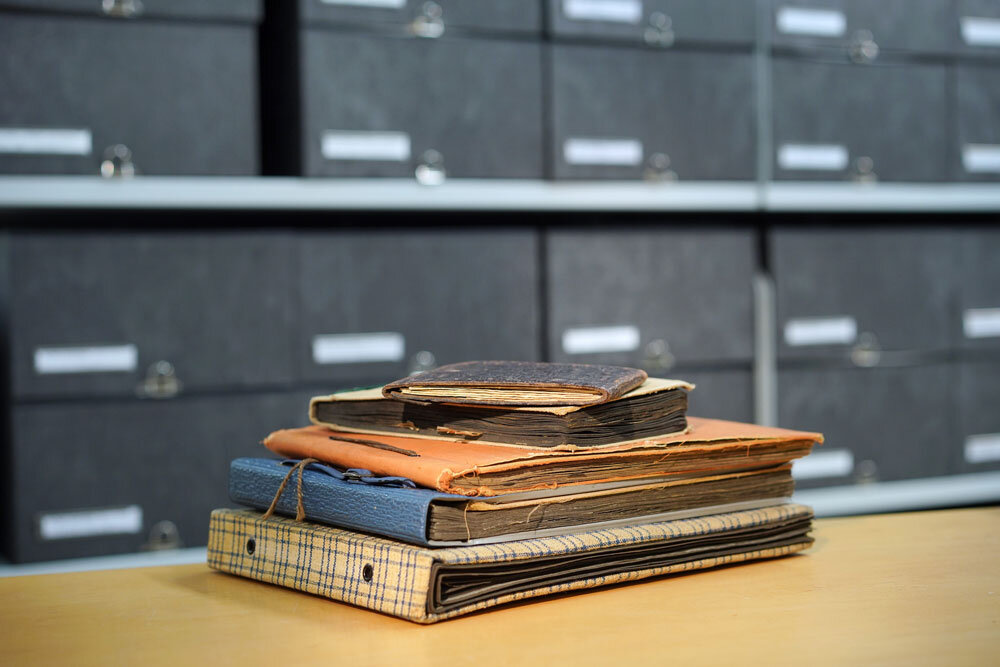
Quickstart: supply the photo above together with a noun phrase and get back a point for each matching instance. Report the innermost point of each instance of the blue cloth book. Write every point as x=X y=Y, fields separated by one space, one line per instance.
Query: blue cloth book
x=395 y=507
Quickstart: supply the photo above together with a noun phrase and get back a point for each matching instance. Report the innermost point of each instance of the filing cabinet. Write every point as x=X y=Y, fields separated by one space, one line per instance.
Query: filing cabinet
x=864 y=31
x=859 y=294
x=977 y=90
x=93 y=478
x=658 y=23
x=376 y=306
x=149 y=105
x=720 y=394
x=151 y=314
x=420 y=108
x=220 y=10
x=624 y=113
x=977 y=393
x=650 y=298
x=880 y=424
x=866 y=123
x=429 y=19
x=979 y=27
x=979 y=296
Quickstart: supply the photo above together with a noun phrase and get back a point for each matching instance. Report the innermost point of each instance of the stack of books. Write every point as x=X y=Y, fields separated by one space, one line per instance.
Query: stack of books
x=483 y=483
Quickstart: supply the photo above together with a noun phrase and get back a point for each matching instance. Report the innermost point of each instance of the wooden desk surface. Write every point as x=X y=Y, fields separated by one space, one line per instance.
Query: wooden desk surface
x=920 y=587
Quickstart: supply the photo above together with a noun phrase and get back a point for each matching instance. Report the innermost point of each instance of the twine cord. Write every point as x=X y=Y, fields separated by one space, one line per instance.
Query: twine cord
x=300 y=512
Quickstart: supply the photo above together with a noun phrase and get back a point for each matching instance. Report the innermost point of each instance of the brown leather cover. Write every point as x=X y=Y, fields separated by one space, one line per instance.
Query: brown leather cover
x=438 y=464
x=587 y=383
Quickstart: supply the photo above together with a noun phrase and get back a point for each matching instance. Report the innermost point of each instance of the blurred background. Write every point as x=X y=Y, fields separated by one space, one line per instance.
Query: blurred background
x=212 y=211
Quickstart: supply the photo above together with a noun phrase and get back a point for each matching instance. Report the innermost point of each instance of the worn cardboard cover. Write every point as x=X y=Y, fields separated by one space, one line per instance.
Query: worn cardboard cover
x=467 y=468
x=516 y=383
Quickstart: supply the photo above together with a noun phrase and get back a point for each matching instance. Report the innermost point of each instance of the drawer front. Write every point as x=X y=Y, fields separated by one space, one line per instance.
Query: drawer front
x=93 y=314
x=651 y=299
x=378 y=306
x=846 y=293
x=880 y=424
x=421 y=108
x=977 y=100
x=245 y=10
x=150 y=105
x=837 y=121
x=978 y=395
x=865 y=29
x=631 y=114
x=979 y=297
x=430 y=19
x=720 y=394
x=660 y=23
x=128 y=467
x=979 y=27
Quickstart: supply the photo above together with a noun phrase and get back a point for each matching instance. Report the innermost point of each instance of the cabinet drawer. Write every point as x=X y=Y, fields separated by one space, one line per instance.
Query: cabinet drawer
x=632 y=113
x=979 y=297
x=880 y=424
x=847 y=292
x=978 y=395
x=979 y=27
x=867 y=123
x=429 y=19
x=150 y=105
x=652 y=299
x=420 y=108
x=108 y=483
x=658 y=23
x=95 y=313
x=720 y=394
x=977 y=89
x=378 y=306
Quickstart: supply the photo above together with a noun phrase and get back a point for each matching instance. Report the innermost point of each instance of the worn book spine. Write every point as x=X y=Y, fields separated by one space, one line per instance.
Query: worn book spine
x=396 y=578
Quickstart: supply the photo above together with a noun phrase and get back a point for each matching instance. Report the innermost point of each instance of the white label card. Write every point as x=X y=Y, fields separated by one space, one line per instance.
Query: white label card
x=842 y=330
x=980 y=31
x=813 y=157
x=981 y=322
x=981 y=158
x=37 y=141
x=811 y=21
x=88 y=359
x=373 y=146
x=594 y=340
x=358 y=348
x=89 y=523
x=828 y=463
x=616 y=152
x=984 y=448
x=612 y=11
x=384 y=4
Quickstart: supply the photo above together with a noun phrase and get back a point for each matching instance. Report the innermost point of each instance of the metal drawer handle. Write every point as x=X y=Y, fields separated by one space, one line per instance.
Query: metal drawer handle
x=658 y=356
x=163 y=535
x=660 y=30
x=126 y=9
x=864 y=49
x=867 y=352
x=431 y=170
x=160 y=382
x=864 y=170
x=422 y=361
x=658 y=168
x=430 y=22
x=117 y=162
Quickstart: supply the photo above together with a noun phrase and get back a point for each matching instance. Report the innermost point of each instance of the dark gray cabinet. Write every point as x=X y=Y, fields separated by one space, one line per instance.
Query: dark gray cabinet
x=977 y=90
x=376 y=105
x=662 y=23
x=839 y=121
x=977 y=446
x=650 y=298
x=91 y=479
x=429 y=19
x=641 y=113
x=893 y=423
x=170 y=97
x=850 y=292
x=375 y=306
x=97 y=314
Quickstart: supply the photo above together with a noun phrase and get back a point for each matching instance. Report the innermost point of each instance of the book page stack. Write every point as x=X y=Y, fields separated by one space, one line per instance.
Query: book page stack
x=483 y=483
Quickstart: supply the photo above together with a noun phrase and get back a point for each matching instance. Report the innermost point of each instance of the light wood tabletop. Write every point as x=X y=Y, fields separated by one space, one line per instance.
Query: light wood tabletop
x=913 y=588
